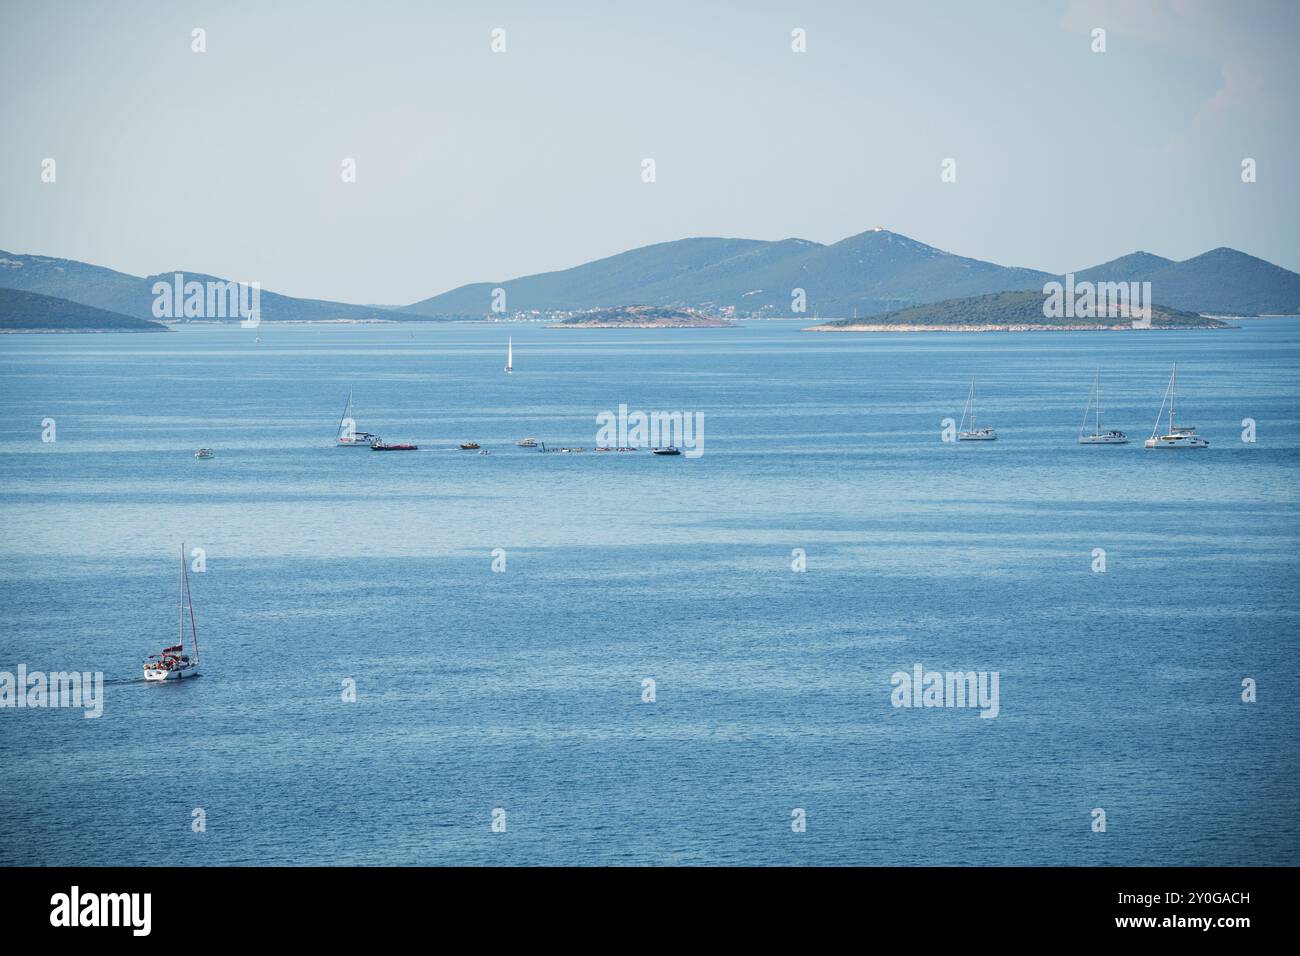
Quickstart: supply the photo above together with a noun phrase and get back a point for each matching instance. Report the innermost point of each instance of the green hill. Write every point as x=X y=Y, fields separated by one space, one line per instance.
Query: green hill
x=872 y=273
x=1010 y=311
x=133 y=295
x=1221 y=282
x=32 y=312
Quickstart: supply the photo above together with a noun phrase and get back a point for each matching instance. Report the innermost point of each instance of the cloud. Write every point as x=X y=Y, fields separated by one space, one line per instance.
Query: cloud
x=1251 y=45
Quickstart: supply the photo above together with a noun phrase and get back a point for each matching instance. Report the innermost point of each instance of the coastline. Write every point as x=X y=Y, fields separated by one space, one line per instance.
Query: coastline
x=643 y=325
x=1016 y=327
x=8 y=331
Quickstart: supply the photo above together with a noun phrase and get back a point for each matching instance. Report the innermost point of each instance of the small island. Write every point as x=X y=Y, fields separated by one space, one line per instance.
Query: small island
x=642 y=317
x=1006 y=312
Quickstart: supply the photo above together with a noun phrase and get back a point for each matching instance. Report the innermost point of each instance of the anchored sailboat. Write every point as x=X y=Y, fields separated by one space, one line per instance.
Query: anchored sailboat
x=1098 y=437
x=1178 y=436
x=348 y=436
x=172 y=663
x=510 y=354
x=973 y=433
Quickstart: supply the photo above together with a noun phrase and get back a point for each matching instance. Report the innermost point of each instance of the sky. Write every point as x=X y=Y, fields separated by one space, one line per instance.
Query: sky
x=474 y=165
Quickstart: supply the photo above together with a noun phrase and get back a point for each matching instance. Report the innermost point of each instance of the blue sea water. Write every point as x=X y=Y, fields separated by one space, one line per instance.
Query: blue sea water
x=522 y=690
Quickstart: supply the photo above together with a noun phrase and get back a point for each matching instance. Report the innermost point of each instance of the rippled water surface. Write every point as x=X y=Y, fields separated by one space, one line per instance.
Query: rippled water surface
x=523 y=690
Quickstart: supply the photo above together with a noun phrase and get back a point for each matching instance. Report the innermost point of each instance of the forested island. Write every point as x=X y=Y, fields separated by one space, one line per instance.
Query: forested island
x=1007 y=312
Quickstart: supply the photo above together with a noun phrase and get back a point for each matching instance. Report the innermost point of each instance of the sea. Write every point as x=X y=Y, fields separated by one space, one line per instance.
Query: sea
x=443 y=657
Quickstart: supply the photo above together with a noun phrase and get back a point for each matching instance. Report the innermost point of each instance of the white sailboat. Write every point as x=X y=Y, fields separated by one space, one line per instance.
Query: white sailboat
x=973 y=433
x=510 y=354
x=172 y=663
x=1098 y=437
x=1177 y=436
x=348 y=436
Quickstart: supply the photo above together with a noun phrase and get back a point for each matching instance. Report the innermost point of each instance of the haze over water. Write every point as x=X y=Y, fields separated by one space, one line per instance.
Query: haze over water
x=522 y=690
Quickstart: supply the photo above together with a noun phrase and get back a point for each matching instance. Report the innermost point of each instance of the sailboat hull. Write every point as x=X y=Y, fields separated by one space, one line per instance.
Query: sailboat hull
x=158 y=674
x=1102 y=440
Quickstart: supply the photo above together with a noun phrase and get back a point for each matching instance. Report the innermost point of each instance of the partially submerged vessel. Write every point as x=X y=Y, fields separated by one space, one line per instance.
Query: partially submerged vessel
x=172 y=663
x=1176 y=436
x=1098 y=437
x=378 y=444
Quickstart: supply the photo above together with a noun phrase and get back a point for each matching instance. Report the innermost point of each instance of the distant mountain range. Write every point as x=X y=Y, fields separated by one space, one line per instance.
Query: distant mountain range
x=1006 y=311
x=871 y=273
x=32 y=312
x=1222 y=281
x=133 y=295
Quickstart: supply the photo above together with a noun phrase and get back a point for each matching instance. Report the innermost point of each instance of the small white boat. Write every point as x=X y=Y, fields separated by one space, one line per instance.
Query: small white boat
x=204 y=453
x=1098 y=437
x=973 y=433
x=1176 y=436
x=510 y=354
x=172 y=663
x=348 y=436
x=527 y=443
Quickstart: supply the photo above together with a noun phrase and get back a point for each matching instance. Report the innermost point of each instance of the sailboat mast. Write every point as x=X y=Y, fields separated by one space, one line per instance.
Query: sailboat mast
x=194 y=631
x=346 y=410
x=1096 y=388
x=1173 y=396
x=180 y=603
x=1083 y=423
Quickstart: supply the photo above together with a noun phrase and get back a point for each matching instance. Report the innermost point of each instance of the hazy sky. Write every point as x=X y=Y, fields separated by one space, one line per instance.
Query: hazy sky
x=473 y=165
